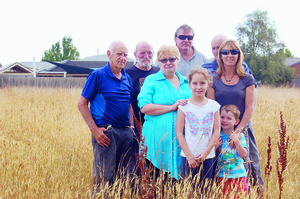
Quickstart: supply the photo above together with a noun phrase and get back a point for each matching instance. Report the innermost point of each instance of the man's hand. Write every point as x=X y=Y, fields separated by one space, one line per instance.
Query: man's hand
x=100 y=137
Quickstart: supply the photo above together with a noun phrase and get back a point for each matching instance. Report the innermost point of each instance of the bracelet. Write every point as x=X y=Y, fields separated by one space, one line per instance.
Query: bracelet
x=190 y=158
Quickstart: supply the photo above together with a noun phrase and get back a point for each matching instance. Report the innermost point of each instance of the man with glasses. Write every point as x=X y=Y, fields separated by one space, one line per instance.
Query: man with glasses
x=213 y=65
x=190 y=57
x=138 y=72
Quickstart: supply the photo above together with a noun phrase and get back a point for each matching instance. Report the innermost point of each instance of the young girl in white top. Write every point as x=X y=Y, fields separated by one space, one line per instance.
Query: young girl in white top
x=198 y=128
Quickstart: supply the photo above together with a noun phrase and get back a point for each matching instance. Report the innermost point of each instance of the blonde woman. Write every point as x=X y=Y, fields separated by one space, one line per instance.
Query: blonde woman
x=159 y=99
x=232 y=85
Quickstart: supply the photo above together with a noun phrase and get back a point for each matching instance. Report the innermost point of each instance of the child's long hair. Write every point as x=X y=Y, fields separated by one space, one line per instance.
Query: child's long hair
x=202 y=71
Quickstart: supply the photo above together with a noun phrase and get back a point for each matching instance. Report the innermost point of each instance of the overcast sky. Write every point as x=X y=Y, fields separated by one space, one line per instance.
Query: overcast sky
x=29 y=27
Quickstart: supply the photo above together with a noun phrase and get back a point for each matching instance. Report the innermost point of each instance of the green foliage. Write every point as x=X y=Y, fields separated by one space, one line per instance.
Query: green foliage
x=288 y=53
x=58 y=53
x=264 y=54
x=257 y=33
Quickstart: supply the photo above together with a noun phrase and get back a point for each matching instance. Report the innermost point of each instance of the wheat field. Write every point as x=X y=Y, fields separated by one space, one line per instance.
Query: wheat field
x=46 y=150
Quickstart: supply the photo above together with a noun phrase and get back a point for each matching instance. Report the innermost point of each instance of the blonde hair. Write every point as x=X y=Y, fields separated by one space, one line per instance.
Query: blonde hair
x=168 y=50
x=239 y=69
x=202 y=71
x=233 y=109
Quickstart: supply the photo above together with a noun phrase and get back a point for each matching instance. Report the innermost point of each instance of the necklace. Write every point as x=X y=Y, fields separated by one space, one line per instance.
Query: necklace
x=229 y=80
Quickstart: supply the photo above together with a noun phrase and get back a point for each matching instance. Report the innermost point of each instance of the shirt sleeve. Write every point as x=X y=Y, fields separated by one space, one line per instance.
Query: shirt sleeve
x=243 y=141
x=248 y=70
x=90 y=88
x=131 y=85
x=249 y=80
x=216 y=106
x=146 y=94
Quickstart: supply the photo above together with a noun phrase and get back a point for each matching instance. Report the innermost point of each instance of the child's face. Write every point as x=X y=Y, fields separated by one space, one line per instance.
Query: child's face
x=228 y=120
x=198 y=84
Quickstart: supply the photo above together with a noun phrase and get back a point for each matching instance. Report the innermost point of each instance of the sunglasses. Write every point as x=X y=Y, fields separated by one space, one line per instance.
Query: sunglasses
x=171 y=60
x=233 y=52
x=184 y=37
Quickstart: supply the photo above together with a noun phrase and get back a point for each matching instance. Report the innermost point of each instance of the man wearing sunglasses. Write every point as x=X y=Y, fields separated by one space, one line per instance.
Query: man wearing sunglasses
x=213 y=65
x=190 y=57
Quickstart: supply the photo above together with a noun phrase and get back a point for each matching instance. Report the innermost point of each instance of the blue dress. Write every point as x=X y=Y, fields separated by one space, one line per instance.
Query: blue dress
x=159 y=131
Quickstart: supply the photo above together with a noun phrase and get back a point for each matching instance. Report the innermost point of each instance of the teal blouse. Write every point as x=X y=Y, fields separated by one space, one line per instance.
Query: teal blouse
x=159 y=131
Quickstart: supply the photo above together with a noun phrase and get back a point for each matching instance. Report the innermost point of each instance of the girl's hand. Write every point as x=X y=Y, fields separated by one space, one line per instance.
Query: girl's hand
x=218 y=145
x=193 y=163
x=201 y=157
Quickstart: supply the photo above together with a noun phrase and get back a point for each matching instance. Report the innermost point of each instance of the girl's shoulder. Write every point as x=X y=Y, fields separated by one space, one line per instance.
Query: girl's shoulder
x=214 y=103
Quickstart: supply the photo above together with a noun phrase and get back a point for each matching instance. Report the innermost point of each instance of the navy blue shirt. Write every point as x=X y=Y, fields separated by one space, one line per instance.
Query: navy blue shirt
x=138 y=77
x=109 y=97
x=213 y=66
x=232 y=94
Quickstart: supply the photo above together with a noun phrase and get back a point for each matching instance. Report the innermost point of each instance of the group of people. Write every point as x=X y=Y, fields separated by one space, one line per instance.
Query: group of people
x=195 y=114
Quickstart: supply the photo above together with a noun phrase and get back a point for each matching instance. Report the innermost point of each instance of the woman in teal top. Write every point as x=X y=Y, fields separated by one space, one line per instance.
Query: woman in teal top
x=159 y=98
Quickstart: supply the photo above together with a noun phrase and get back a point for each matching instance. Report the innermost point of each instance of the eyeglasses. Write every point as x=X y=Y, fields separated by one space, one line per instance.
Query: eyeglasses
x=171 y=60
x=183 y=37
x=233 y=52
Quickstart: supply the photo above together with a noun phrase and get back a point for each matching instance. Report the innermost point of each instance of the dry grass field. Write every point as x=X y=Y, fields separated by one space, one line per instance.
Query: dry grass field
x=46 y=151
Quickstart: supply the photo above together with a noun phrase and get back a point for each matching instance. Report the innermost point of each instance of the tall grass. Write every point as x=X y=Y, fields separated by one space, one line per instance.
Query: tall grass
x=46 y=150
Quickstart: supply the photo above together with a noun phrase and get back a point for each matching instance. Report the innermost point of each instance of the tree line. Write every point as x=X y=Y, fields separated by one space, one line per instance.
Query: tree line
x=264 y=52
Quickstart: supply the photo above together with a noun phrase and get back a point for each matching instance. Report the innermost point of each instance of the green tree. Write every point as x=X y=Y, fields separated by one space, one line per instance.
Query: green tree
x=263 y=51
x=60 y=53
x=288 y=53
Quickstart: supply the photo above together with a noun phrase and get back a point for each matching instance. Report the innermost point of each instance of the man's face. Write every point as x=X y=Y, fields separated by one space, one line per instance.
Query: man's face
x=144 y=55
x=215 y=45
x=184 y=44
x=118 y=57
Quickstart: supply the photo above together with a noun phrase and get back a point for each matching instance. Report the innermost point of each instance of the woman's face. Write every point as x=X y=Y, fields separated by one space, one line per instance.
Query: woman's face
x=230 y=55
x=168 y=64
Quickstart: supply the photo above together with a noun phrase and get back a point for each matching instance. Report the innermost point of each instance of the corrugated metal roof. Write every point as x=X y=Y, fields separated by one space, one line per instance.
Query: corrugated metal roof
x=87 y=64
x=102 y=57
x=291 y=61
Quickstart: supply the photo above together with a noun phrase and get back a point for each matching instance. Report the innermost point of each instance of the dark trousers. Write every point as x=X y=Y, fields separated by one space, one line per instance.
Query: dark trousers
x=133 y=168
x=110 y=160
x=252 y=162
x=205 y=169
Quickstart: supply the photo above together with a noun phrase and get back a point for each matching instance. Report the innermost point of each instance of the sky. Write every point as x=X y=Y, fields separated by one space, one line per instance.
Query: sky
x=29 y=27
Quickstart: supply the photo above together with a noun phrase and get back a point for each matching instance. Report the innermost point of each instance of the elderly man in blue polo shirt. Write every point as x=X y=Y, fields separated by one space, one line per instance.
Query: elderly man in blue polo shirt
x=109 y=92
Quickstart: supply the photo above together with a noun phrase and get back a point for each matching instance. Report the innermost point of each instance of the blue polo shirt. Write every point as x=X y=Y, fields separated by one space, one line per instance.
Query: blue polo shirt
x=109 y=97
